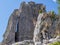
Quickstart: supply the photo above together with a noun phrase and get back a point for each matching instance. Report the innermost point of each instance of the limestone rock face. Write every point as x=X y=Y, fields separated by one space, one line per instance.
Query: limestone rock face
x=37 y=28
x=22 y=22
x=25 y=42
x=47 y=26
x=9 y=36
x=31 y=25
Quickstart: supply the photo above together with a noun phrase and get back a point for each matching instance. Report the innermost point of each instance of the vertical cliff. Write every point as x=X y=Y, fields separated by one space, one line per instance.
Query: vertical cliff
x=22 y=22
x=31 y=25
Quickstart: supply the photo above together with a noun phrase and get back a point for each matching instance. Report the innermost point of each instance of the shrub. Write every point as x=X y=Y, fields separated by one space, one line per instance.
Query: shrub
x=52 y=15
x=40 y=11
x=55 y=43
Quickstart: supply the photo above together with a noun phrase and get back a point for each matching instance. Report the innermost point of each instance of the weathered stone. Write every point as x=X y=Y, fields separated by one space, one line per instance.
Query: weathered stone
x=22 y=22
x=47 y=27
x=25 y=42
x=27 y=23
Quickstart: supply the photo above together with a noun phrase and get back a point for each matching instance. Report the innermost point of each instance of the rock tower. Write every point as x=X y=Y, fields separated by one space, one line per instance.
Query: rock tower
x=32 y=25
x=22 y=22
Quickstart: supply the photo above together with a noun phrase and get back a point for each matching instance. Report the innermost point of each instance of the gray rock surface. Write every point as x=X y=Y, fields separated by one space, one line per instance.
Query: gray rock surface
x=37 y=28
x=47 y=26
x=22 y=22
x=25 y=42
x=29 y=26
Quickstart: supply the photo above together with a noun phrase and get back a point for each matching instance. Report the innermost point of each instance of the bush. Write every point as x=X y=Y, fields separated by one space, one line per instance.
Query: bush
x=52 y=15
x=55 y=43
x=40 y=11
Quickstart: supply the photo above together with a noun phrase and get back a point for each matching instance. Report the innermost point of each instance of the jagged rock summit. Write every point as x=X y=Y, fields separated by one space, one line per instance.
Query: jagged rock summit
x=30 y=25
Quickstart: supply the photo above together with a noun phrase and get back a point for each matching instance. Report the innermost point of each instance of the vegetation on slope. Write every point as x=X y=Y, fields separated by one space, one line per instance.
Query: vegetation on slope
x=58 y=1
x=55 y=43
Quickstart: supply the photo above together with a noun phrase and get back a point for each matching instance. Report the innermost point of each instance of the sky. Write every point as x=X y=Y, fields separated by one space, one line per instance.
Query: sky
x=8 y=6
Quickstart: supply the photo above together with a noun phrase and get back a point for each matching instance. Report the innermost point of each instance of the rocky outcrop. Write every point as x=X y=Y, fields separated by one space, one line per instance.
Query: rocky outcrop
x=47 y=25
x=37 y=28
x=31 y=25
x=9 y=36
x=22 y=22
x=25 y=42
x=46 y=29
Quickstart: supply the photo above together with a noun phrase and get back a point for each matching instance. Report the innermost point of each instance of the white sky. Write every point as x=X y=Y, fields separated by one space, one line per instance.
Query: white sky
x=54 y=0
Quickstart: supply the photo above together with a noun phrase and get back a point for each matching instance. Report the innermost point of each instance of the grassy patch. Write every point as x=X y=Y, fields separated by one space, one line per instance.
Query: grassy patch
x=55 y=43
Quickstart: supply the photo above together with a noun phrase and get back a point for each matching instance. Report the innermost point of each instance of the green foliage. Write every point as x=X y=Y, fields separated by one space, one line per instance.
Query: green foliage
x=52 y=15
x=55 y=43
x=58 y=1
x=52 y=12
x=40 y=11
x=59 y=9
